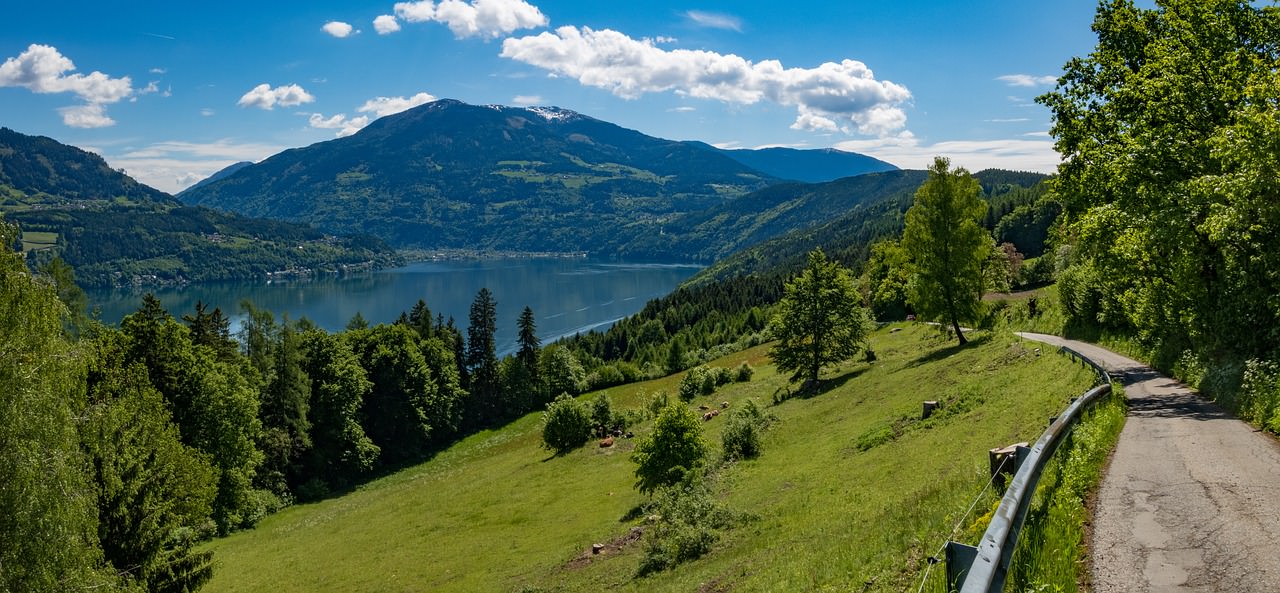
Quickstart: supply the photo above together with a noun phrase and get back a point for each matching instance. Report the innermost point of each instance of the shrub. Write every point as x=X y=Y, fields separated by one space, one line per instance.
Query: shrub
x=744 y=373
x=688 y=517
x=741 y=438
x=722 y=375
x=566 y=424
x=656 y=401
x=673 y=449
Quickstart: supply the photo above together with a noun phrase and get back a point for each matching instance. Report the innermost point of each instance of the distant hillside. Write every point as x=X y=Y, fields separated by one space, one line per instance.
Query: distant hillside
x=448 y=174
x=848 y=236
x=116 y=231
x=224 y=172
x=810 y=166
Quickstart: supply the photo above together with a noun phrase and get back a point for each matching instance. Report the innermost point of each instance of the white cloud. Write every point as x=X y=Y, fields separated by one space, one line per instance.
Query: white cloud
x=157 y=70
x=265 y=97
x=340 y=122
x=831 y=96
x=525 y=100
x=1043 y=134
x=683 y=109
x=174 y=166
x=715 y=20
x=1008 y=120
x=338 y=29
x=43 y=69
x=383 y=106
x=1027 y=80
x=905 y=150
x=86 y=116
x=478 y=18
x=386 y=24
x=152 y=87
x=207 y=112
x=664 y=39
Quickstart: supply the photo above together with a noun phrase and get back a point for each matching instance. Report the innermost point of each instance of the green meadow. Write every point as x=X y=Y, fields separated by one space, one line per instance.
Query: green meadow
x=853 y=490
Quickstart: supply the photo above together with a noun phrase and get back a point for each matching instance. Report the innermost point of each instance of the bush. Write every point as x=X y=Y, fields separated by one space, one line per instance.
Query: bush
x=566 y=425
x=688 y=517
x=656 y=401
x=744 y=373
x=674 y=448
x=742 y=436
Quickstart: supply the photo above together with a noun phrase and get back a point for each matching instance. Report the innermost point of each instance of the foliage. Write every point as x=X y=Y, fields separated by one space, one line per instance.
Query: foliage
x=946 y=246
x=341 y=450
x=819 y=321
x=674 y=448
x=482 y=362
x=742 y=436
x=561 y=371
x=1167 y=131
x=566 y=425
x=1054 y=552
x=688 y=519
x=47 y=505
x=888 y=277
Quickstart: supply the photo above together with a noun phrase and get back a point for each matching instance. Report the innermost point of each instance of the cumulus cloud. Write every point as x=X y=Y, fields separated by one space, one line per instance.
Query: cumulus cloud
x=479 y=18
x=1027 y=80
x=526 y=100
x=86 y=116
x=714 y=20
x=382 y=106
x=340 y=122
x=265 y=97
x=832 y=96
x=43 y=69
x=386 y=24
x=338 y=29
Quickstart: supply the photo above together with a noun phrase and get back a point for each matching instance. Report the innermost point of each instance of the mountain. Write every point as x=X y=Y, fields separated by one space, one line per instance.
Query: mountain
x=810 y=165
x=451 y=175
x=224 y=172
x=115 y=231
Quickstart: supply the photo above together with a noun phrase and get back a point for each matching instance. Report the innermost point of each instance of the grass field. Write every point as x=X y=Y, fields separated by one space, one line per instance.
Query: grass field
x=36 y=240
x=852 y=492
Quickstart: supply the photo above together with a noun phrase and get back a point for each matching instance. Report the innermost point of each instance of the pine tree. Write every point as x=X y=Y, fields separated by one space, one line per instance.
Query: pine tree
x=482 y=362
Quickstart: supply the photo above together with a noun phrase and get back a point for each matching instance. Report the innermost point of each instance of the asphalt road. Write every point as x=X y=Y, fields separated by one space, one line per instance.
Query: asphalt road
x=1191 y=500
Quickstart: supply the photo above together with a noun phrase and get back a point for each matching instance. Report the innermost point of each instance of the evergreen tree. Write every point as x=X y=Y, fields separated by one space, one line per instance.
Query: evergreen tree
x=285 y=402
x=212 y=330
x=819 y=321
x=482 y=362
x=947 y=246
x=528 y=340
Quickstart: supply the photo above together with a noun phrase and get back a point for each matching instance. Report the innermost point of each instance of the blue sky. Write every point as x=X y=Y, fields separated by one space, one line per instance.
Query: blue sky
x=173 y=91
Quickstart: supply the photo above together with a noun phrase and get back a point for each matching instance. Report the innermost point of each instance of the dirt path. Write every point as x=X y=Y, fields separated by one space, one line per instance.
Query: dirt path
x=1191 y=501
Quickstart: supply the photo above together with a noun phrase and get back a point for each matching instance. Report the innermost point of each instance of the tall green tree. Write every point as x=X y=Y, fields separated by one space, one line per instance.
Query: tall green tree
x=819 y=321
x=341 y=451
x=888 y=276
x=285 y=403
x=482 y=360
x=48 y=513
x=1166 y=130
x=947 y=245
x=150 y=487
x=212 y=329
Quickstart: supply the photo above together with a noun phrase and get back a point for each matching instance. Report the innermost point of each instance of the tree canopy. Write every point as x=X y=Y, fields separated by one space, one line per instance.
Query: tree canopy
x=947 y=246
x=819 y=321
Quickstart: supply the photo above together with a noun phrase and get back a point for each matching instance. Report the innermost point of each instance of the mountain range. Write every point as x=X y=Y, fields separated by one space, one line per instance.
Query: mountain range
x=452 y=175
x=115 y=231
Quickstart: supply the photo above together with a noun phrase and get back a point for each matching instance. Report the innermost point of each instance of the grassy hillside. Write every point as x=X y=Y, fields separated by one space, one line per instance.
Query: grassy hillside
x=852 y=491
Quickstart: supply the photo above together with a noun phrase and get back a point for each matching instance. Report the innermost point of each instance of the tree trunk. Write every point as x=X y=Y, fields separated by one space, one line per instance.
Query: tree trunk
x=959 y=334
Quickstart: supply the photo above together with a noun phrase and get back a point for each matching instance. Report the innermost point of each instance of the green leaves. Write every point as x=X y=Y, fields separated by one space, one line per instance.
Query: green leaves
x=674 y=448
x=819 y=321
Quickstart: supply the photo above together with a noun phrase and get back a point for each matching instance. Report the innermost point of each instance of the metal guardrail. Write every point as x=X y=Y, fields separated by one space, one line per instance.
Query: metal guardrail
x=988 y=564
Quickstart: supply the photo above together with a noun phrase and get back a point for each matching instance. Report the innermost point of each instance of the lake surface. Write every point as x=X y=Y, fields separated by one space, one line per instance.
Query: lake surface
x=567 y=295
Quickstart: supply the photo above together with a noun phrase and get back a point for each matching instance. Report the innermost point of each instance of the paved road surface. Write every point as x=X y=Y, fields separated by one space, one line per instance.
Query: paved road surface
x=1191 y=501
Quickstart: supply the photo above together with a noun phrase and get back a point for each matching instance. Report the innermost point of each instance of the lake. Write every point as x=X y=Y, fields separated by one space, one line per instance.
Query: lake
x=568 y=295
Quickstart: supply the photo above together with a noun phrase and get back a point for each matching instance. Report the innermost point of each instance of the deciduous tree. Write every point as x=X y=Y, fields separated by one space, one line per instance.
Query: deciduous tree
x=819 y=321
x=947 y=246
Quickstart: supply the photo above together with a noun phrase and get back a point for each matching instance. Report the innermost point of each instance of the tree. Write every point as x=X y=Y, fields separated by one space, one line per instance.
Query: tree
x=285 y=402
x=482 y=361
x=947 y=246
x=561 y=370
x=341 y=451
x=48 y=517
x=674 y=448
x=888 y=276
x=212 y=330
x=819 y=321
x=1167 y=132
x=528 y=340
x=566 y=425
x=149 y=485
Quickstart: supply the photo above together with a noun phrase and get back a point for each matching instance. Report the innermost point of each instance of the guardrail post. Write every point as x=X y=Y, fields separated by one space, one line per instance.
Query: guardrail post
x=959 y=559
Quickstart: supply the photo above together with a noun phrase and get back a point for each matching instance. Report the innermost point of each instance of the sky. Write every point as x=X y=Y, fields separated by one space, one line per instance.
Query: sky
x=171 y=92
